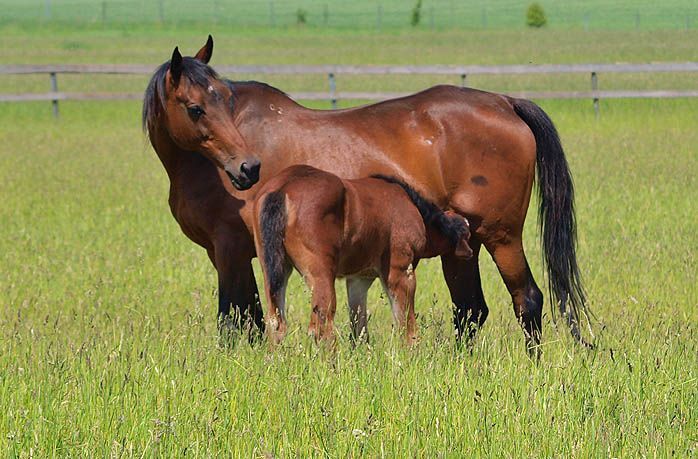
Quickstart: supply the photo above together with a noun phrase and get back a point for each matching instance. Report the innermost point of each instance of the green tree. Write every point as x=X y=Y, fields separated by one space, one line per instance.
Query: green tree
x=301 y=16
x=535 y=16
x=416 y=14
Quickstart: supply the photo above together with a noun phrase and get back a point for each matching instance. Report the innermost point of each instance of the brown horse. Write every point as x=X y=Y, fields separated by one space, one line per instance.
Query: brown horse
x=326 y=227
x=469 y=151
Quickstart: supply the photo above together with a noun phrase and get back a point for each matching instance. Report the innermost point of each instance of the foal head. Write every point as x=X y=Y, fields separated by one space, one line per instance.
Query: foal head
x=187 y=99
x=461 y=227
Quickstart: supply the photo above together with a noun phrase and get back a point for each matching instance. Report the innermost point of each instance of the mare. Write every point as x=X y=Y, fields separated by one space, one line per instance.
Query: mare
x=326 y=227
x=473 y=152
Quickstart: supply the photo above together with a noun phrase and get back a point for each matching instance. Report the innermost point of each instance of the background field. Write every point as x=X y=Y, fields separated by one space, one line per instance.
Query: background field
x=108 y=344
x=364 y=14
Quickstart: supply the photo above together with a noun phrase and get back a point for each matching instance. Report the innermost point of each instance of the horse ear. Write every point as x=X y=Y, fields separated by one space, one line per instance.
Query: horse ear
x=176 y=66
x=205 y=53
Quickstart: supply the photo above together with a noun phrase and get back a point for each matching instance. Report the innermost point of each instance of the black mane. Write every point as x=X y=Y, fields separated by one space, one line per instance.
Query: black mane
x=193 y=70
x=454 y=228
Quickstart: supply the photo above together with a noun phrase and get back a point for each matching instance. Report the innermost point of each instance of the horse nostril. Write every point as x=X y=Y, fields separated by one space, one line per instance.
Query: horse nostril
x=251 y=170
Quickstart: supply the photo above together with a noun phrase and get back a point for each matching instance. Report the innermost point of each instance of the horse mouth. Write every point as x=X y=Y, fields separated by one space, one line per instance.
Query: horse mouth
x=241 y=183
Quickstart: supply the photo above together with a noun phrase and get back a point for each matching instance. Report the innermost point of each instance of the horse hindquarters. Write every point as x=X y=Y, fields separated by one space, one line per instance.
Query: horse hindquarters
x=295 y=228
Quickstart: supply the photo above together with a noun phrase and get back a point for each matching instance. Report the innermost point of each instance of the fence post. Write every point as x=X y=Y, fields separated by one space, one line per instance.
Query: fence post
x=54 y=88
x=104 y=12
x=462 y=80
x=379 y=17
x=484 y=18
x=161 y=11
x=333 y=89
x=594 y=88
x=431 y=17
x=325 y=14
x=272 y=19
x=47 y=11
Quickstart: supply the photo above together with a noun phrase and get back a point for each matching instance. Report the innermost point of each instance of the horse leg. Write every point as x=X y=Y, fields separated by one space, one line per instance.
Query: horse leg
x=463 y=280
x=400 y=286
x=276 y=307
x=357 y=292
x=525 y=294
x=324 y=304
x=237 y=290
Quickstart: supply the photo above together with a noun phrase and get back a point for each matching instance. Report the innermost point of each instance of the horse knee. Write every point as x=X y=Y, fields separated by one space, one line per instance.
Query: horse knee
x=531 y=308
x=529 y=314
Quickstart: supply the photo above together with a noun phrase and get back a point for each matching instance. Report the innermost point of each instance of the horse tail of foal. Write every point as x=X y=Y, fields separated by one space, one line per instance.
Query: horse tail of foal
x=454 y=227
x=272 y=221
x=556 y=217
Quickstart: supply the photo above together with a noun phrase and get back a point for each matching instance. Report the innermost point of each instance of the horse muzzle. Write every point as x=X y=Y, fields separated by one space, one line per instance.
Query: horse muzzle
x=246 y=176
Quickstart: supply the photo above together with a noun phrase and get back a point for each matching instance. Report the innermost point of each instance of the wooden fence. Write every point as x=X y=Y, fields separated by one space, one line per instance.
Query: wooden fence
x=332 y=95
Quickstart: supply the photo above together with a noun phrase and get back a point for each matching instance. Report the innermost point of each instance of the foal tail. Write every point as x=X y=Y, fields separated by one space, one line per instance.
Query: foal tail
x=272 y=222
x=556 y=217
x=454 y=227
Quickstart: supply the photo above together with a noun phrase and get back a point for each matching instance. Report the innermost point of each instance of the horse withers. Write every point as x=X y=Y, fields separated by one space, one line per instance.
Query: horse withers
x=327 y=227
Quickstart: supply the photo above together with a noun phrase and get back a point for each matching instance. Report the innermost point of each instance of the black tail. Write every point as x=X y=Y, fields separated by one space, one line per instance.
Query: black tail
x=272 y=221
x=556 y=216
x=452 y=227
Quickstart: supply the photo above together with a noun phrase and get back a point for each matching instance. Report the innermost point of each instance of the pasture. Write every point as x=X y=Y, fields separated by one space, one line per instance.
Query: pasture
x=363 y=14
x=108 y=342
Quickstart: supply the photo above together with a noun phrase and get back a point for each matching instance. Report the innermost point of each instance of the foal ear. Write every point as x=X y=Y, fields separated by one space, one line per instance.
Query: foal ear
x=176 y=66
x=205 y=53
x=463 y=249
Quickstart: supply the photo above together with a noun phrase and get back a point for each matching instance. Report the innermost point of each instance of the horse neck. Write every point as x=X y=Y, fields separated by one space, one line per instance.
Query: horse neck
x=173 y=158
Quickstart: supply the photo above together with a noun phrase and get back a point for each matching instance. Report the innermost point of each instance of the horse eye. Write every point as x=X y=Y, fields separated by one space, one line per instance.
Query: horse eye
x=195 y=112
x=232 y=104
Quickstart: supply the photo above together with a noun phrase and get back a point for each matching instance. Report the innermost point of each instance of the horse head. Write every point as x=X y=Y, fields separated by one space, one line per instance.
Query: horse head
x=188 y=100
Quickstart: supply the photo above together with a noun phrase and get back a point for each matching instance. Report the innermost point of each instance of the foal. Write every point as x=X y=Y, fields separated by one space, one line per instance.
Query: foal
x=361 y=229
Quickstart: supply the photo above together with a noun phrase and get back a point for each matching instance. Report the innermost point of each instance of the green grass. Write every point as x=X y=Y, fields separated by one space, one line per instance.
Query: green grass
x=108 y=344
x=358 y=14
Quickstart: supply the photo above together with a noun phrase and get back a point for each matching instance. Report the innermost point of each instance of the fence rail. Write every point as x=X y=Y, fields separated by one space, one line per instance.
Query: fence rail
x=332 y=70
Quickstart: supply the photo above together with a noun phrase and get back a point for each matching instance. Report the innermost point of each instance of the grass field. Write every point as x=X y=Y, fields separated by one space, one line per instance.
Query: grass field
x=358 y=14
x=108 y=345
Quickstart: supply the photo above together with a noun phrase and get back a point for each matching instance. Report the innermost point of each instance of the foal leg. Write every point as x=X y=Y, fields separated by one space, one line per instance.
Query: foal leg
x=463 y=280
x=400 y=286
x=357 y=292
x=324 y=304
x=276 y=307
x=525 y=294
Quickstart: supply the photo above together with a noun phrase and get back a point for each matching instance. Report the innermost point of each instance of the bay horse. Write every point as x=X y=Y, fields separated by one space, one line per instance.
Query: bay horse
x=326 y=227
x=472 y=152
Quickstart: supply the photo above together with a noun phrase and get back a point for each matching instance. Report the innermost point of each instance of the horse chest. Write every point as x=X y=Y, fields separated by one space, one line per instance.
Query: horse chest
x=193 y=224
